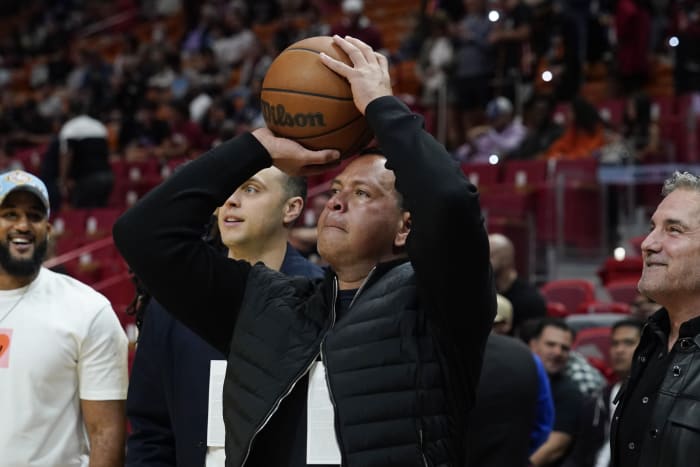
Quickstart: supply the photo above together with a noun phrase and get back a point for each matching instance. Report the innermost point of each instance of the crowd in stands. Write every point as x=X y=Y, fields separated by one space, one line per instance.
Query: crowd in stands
x=103 y=100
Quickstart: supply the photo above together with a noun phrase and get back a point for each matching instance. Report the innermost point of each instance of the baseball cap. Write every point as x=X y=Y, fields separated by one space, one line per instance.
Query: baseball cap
x=21 y=180
x=498 y=106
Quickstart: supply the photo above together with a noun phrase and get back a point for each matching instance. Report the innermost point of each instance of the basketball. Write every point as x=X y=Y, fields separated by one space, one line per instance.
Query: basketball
x=305 y=101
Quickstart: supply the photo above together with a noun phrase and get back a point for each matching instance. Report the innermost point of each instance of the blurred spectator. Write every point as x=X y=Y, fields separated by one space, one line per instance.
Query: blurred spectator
x=204 y=73
x=555 y=44
x=474 y=68
x=584 y=133
x=552 y=342
x=185 y=137
x=315 y=24
x=640 y=131
x=85 y=176
x=503 y=416
x=580 y=12
x=286 y=32
x=527 y=302
x=49 y=173
x=540 y=128
x=633 y=32
x=254 y=66
x=233 y=39
x=589 y=380
x=354 y=23
x=199 y=37
x=433 y=66
x=503 y=322
x=686 y=27
x=511 y=38
x=592 y=447
x=128 y=56
x=142 y=133
x=502 y=134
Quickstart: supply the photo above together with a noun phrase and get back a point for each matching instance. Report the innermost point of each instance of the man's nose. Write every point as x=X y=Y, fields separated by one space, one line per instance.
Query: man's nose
x=234 y=199
x=650 y=242
x=22 y=222
x=336 y=202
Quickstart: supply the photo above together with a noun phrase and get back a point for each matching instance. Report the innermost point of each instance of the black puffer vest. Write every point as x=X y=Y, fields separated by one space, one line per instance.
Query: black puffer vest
x=383 y=369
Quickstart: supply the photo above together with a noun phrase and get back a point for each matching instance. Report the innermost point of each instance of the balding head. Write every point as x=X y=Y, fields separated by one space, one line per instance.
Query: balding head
x=502 y=253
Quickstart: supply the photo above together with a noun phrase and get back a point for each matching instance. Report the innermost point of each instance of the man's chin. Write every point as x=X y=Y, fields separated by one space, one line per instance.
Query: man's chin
x=22 y=264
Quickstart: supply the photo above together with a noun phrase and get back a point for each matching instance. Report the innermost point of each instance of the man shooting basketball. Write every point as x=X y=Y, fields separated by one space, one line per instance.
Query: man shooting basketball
x=376 y=364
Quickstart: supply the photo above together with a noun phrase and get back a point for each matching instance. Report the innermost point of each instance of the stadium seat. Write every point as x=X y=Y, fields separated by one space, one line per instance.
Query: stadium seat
x=628 y=269
x=557 y=310
x=623 y=291
x=99 y=221
x=570 y=292
x=525 y=173
x=594 y=342
x=596 y=306
x=483 y=176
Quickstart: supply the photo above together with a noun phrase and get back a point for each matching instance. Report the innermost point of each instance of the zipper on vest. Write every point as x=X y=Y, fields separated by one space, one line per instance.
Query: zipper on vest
x=339 y=438
x=294 y=382
x=323 y=359
x=362 y=287
x=422 y=452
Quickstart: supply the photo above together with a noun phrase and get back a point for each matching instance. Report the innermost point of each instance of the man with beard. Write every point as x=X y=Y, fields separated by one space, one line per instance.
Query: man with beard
x=63 y=365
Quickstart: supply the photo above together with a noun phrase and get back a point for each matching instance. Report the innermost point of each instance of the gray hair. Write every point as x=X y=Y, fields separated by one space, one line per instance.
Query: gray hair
x=684 y=180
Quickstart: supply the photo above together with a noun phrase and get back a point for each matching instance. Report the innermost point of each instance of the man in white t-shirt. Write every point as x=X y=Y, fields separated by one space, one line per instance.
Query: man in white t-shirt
x=63 y=353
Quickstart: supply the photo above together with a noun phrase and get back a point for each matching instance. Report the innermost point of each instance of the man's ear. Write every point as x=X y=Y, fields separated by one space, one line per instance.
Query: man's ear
x=292 y=210
x=404 y=230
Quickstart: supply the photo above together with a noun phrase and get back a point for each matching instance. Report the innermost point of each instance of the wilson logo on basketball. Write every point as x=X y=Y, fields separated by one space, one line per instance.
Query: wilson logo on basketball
x=278 y=115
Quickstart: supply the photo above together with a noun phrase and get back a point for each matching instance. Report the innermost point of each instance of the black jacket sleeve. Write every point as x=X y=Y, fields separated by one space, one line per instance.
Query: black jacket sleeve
x=160 y=238
x=448 y=245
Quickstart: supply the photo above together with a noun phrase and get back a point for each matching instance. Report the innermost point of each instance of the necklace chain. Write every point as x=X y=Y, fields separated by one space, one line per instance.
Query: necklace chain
x=7 y=313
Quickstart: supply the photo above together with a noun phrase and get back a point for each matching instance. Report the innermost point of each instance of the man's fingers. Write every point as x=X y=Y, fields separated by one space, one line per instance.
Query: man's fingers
x=383 y=62
x=323 y=157
x=356 y=55
x=366 y=50
x=335 y=65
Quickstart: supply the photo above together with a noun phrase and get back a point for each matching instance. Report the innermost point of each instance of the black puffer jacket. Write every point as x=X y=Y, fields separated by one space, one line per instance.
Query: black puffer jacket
x=403 y=364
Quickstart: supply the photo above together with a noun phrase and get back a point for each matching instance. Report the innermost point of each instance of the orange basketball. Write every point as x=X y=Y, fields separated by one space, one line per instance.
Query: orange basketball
x=305 y=101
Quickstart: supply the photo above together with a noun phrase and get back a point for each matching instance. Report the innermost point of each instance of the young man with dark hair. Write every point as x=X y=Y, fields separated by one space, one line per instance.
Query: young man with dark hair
x=169 y=394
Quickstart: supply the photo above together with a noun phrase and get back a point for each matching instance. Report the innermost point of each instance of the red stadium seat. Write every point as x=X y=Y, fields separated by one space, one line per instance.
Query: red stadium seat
x=557 y=310
x=594 y=342
x=604 y=307
x=99 y=221
x=623 y=291
x=570 y=292
x=628 y=269
x=482 y=175
x=525 y=173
